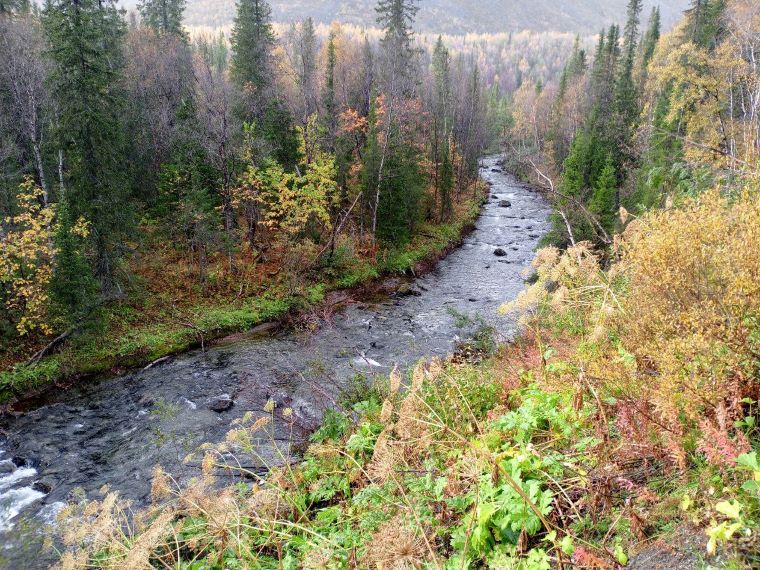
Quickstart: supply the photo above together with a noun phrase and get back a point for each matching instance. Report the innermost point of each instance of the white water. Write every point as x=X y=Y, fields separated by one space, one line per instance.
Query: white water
x=13 y=496
x=18 y=475
x=13 y=501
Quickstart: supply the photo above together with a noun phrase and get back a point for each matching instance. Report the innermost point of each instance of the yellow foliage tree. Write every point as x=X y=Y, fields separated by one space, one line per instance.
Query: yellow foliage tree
x=714 y=94
x=26 y=260
x=293 y=203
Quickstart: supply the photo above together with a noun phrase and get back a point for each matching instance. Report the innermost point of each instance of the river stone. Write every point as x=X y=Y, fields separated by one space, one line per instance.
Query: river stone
x=496 y=170
x=42 y=487
x=505 y=204
x=7 y=467
x=406 y=290
x=499 y=252
x=146 y=401
x=221 y=404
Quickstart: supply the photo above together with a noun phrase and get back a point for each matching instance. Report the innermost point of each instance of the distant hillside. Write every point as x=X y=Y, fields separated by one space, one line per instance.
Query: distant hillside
x=449 y=16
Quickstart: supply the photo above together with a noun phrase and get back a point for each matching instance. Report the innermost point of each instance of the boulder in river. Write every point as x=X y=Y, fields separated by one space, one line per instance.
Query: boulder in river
x=42 y=486
x=494 y=169
x=505 y=204
x=146 y=401
x=499 y=252
x=221 y=404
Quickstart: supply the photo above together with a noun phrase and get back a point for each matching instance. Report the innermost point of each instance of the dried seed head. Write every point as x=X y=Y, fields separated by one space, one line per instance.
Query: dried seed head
x=386 y=412
x=395 y=381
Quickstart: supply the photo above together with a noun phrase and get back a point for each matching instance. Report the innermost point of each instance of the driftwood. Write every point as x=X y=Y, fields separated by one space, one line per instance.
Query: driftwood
x=157 y=361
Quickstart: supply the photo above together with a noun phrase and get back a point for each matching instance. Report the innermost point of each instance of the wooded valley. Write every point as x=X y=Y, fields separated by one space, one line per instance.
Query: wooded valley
x=164 y=186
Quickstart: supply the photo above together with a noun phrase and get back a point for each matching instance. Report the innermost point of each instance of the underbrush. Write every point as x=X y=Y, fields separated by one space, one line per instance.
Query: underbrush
x=627 y=410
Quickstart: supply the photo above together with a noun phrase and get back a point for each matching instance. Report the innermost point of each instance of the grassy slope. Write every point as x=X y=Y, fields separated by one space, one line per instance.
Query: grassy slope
x=138 y=332
x=436 y=477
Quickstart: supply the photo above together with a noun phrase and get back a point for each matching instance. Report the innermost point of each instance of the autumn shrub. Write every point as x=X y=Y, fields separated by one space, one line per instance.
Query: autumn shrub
x=670 y=329
x=692 y=311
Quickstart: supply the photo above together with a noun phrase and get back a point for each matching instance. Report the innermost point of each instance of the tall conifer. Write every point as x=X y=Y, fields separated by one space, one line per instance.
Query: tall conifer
x=85 y=39
x=253 y=40
x=164 y=16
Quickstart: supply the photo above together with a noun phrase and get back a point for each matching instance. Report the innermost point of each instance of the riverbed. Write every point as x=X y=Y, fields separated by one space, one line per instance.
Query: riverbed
x=113 y=432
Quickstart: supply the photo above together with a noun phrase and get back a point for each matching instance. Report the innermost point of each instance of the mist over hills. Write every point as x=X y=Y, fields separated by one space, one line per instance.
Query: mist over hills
x=448 y=16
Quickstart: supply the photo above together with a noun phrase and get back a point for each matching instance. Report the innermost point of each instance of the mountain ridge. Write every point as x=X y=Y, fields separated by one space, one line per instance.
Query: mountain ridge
x=448 y=16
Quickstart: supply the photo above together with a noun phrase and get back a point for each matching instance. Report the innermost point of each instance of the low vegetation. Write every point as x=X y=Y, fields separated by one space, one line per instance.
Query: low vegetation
x=625 y=411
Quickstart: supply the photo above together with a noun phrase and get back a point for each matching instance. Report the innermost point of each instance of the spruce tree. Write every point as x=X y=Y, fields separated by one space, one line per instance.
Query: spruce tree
x=610 y=59
x=307 y=66
x=396 y=18
x=626 y=96
x=626 y=89
x=329 y=103
x=651 y=37
x=631 y=31
x=393 y=181
x=73 y=289
x=85 y=38
x=253 y=40
x=704 y=22
x=603 y=202
x=367 y=77
x=279 y=131
x=392 y=194
x=575 y=171
x=442 y=85
x=597 y=68
x=577 y=62
x=400 y=193
x=164 y=16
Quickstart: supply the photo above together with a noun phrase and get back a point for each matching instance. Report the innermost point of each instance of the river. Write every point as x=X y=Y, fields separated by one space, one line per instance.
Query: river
x=113 y=432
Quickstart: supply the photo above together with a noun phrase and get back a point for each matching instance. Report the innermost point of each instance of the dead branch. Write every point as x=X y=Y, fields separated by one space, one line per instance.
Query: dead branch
x=601 y=232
